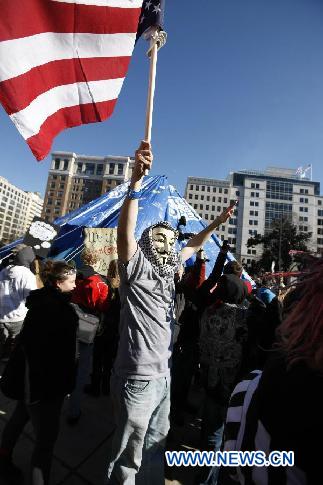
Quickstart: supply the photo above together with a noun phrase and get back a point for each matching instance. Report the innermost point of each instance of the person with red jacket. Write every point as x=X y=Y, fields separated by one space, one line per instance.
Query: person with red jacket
x=92 y=296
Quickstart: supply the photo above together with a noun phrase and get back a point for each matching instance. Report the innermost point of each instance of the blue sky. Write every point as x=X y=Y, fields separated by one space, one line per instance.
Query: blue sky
x=240 y=85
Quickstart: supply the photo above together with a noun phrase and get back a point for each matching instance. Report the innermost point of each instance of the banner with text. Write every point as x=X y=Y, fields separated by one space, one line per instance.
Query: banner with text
x=103 y=242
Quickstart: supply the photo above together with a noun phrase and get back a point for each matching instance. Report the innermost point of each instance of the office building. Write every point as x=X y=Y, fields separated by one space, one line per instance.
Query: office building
x=75 y=180
x=263 y=197
x=17 y=210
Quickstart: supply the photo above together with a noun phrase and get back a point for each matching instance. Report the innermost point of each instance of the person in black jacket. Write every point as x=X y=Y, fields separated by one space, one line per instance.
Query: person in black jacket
x=48 y=345
x=107 y=337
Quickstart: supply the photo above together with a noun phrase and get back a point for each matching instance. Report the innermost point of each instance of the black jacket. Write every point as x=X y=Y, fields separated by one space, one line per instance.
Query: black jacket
x=48 y=339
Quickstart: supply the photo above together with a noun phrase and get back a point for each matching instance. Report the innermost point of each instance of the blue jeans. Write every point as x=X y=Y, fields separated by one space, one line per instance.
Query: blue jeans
x=141 y=413
x=214 y=412
x=83 y=371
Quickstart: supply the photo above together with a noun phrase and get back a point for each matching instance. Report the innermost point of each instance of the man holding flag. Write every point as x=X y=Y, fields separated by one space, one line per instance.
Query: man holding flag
x=140 y=384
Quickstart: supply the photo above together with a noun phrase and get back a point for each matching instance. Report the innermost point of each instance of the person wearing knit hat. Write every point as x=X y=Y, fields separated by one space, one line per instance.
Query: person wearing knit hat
x=16 y=282
x=223 y=333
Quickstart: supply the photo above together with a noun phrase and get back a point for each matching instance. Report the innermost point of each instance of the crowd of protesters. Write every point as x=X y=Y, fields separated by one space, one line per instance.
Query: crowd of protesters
x=149 y=332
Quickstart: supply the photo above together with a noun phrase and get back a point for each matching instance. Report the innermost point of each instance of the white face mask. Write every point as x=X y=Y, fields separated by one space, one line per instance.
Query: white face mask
x=163 y=240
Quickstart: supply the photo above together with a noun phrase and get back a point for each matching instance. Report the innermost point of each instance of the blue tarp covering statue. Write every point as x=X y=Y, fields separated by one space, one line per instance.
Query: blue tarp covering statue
x=160 y=201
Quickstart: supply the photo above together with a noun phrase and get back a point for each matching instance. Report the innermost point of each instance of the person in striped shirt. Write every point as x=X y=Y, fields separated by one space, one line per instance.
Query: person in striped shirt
x=281 y=408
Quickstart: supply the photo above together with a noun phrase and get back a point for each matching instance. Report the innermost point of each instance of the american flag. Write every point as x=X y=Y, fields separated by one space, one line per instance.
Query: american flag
x=63 y=62
x=152 y=14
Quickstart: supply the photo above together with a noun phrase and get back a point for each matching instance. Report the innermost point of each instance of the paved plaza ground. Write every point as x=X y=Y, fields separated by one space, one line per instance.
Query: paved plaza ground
x=82 y=450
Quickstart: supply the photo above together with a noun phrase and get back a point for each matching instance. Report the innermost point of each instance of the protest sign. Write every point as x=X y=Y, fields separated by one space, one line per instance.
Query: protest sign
x=102 y=242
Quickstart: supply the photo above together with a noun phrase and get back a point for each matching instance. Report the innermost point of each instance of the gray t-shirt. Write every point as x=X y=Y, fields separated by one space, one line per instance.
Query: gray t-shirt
x=146 y=321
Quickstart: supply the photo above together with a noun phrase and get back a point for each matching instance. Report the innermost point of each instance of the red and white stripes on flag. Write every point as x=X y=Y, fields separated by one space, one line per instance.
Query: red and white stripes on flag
x=63 y=62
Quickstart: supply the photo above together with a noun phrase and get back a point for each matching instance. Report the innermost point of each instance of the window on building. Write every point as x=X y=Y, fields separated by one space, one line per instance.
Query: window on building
x=214 y=189
x=202 y=197
x=57 y=162
x=225 y=191
x=203 y=188
x=208 y=188
x=219 y=199
x=197 y=187
x=252 y=213
x=52 y=185
x=213 y=199
x=201 y=207
x=253 y=186
x=319 y=240
x=99 y=169
x=191 y=187
x=79 y=167
x=89 y=168
x=196 y=197
x=237 y=193
x=195 y=206
x=319 y=202
x=220 y=190
x=207 y=207
x=120 y=168
x=111 y=168
x=252 y=194
x=208 y=198
x=190 y=196
x=225 y=200
x=213 y=208
x=206 y=216
x=218 y=208
x=49 y=201
x=65 y=165
x=320 y=212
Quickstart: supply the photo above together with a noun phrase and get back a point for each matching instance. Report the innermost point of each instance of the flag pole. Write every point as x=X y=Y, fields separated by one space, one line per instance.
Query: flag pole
x=157 y=40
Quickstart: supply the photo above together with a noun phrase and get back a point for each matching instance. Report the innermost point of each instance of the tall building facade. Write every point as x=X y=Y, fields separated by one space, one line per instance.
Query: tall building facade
x=17 y=210
x=263 y=197
x=75 y=180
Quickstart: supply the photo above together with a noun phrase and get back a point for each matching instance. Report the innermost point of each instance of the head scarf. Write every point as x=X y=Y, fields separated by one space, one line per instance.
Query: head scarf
x=147 y=246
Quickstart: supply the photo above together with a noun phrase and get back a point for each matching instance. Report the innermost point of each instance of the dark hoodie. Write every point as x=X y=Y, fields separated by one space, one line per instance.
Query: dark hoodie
x=48 y=338
x=223 y=334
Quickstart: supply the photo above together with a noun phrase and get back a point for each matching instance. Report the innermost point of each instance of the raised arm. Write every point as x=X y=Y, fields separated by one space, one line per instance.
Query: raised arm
x=197 y=241
x=126 y=242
